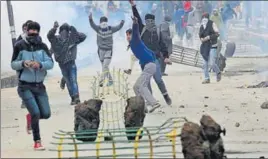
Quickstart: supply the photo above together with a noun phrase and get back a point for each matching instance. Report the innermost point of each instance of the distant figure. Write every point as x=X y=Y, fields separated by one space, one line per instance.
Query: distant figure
x=217 y=19
x=227 y=14
x=24 y=31
x=133 y=59
x=105 y=45
x=178 y=19
x=31 y=59
x=64 y=47
x=166 y=36
x=208 y=35
x=190 y=26
x=207 y=7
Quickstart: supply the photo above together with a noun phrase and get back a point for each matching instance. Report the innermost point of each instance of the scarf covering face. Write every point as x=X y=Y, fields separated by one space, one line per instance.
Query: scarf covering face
x=64 y=35
x=150 y=25
x=204 y=22
x=33 y=39
x=103 y=25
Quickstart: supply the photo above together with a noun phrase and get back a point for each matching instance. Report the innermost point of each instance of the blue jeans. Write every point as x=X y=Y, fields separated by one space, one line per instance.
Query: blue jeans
x=211 y=63
x=158 y=79
x=69 y=73
x=36 y=101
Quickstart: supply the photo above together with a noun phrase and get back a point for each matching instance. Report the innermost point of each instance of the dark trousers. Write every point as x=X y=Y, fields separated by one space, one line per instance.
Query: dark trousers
x=163 y=65
x=69 y=72
x=36 y=101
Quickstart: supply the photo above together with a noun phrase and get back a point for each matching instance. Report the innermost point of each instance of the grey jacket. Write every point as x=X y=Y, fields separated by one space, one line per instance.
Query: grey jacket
x=191 y=18
x=105 y=37
x=166 y=35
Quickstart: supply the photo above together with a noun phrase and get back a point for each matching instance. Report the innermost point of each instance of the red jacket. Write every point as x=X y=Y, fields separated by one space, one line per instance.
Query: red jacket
x=187 y=5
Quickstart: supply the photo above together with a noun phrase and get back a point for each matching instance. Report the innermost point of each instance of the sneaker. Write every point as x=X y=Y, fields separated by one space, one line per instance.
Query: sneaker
x=164 y=74
x=28 y=124
x=38 y=146
x=218 y=77
x=207 y=81
x=62 y=84
x=72 y=101
x=110 y=83
x=75 y=100
x=128 y=71
x=157 y=105
x=167 y=99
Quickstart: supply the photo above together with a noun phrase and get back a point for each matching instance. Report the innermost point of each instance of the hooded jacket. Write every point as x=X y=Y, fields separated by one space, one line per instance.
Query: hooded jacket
x=65 y=49
x=166 y=33
x=191 y=18
x=217 y=19
x=154 y=43
x=227 y=13
x=34 y=52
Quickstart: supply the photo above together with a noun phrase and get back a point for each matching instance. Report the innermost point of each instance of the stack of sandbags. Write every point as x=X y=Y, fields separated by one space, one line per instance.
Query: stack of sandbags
x=134 y=116
x=202 y=142
x=87 y=120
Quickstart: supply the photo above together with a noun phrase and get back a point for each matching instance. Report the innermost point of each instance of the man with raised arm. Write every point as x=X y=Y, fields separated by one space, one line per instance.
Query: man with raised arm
x=105 y=45
x=64 y=47
x=147 y=59
x=152 y=40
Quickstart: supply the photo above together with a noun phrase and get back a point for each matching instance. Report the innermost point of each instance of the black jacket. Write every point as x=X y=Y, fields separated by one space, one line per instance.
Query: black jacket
x=65 y=51
x=206 y=46
x=156 y=44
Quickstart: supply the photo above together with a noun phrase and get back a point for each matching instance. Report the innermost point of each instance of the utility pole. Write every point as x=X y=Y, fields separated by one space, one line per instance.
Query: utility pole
x=11 y=22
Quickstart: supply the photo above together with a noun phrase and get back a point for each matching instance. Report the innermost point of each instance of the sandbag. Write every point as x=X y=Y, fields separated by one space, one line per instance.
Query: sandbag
x=230 y=49
x=134 y=116
x=192 y=142
x=87 y=120
x=211 y=132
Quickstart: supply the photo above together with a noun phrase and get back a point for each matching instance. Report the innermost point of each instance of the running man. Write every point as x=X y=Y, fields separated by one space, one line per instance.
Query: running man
x=105 y=45
x=147 y=60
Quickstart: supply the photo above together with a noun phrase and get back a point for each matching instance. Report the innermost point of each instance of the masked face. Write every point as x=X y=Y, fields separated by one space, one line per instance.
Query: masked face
x=64 y=34
x=33 y=37
x=204 y=21
x=103 y=25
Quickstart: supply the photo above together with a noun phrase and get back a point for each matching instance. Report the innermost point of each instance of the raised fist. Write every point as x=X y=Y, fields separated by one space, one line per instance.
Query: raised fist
x=56 y=25
x=135 y=19
x=131 y=2
x=90 y=15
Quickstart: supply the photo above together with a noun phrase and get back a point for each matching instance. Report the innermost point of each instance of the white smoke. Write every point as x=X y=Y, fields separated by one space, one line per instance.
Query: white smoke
x=45 y=13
